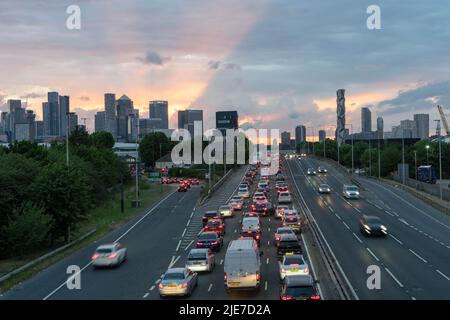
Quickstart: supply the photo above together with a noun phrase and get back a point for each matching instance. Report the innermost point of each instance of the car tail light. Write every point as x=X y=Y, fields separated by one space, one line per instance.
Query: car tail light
x=112 y=255
x=284 y=224
x=184 y=285
x=214 y=243
x=291 y=219
x=277 y=238
x=95 y=256
x=258 y=276
x=306 y=270
x=283 y=270
x=225 y=276
x=298 y=223
x=316 y=297
x=286 y=298
x=199 y=243
x=161 y=286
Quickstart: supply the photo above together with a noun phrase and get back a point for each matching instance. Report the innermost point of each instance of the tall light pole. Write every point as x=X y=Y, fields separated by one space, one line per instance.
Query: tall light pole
x=415 y=164
x=427 y=147
x=370 y=156
x=379 y=157
x=403 y=156
x=137 y=204
x=67 y=138
x=440 y=168
x=353 y=154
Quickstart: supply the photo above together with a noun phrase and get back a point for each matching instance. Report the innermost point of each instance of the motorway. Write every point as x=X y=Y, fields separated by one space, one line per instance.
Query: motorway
x=414 y=258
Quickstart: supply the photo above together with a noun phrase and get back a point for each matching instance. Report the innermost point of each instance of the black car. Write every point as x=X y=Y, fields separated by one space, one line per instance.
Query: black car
x=256 y=235
x=265 y=208
x=288 y=244
x=372 y=226
x=210 y=215
x=209 y=240
x=299 y=287
x=182 y=188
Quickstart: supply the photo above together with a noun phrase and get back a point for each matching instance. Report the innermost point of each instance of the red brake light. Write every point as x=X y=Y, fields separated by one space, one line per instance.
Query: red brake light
x=257 y=237
x=160 y=286
x=198 y=242
x=112 y=255
x=184 y=285
x=95 y=256
x=286 y=298
x=315 y=297
x=258 y=276
x=214 y=242
x=277 y=238
x=225 y=276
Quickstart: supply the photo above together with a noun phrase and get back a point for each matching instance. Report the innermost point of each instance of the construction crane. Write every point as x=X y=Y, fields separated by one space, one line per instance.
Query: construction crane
x=444 y=120
x=438 y=127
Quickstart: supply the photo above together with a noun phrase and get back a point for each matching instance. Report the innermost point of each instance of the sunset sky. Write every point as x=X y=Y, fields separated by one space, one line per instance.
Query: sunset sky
x=279 y=63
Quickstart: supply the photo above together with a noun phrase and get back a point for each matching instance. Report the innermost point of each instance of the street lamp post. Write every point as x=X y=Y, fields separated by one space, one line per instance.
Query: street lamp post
x=415 y=164
x=370 y=157
x=427 y=147
x=379 y=157
x=403 y=157
x=440 y=168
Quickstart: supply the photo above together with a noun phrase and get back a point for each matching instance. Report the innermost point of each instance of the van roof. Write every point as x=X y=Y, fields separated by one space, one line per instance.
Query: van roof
x=242 y=244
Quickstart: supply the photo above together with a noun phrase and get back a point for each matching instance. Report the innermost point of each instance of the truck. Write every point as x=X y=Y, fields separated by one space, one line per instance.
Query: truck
x=427 y=174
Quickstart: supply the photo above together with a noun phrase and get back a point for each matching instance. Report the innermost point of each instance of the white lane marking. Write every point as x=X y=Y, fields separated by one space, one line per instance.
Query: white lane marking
x=210 y=286
x=396 y=239
x=221 y=261
x=187 y=224
x=357 y=209
x=118 y=239
x=267 y=261
x=190 y=243
x=378 y=207
x=418 y=256
x=448 y=279
x=269 y=219
x=403 y=220
x=346 y=225
x=331 y=209
x=157 y=281
x=235 y=230
x=410 y=204
x=146 y=295
x=373 y=254
x=268 y=243
x=389 y=213
x=268 y=229
x=357 y=238
x=178 y=246
x=172 y=262
x=393 y=277
x=192 y=214
x=313 y=269
x=338 y=216
x=413 y=298
x=184 y=232
x=152 y=288
x=265 y=286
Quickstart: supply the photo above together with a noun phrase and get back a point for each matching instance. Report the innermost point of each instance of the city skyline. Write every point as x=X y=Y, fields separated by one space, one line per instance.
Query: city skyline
x=186 y=64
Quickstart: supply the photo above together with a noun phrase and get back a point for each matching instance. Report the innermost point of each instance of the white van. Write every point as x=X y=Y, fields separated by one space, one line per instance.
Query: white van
x=242 y=265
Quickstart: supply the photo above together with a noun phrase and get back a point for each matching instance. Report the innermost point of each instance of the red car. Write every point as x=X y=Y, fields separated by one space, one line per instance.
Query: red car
x=195 y=182
x=215 y=225
x=182 y=188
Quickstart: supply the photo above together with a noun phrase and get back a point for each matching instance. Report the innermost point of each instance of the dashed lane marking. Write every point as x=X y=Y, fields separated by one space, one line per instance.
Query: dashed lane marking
x=393 y=277
x=373 y=254
x=418 y=256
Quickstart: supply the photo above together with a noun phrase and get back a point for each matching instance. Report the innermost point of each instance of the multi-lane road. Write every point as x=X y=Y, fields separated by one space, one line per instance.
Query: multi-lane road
x=414 y=259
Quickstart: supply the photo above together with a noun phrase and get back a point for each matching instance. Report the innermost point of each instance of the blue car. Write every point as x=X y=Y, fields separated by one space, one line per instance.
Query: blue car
x=209 y=240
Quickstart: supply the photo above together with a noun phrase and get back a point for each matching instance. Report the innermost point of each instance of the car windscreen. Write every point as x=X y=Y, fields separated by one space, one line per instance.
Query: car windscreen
x=197 y=256
x=289 y=243
x=373 y=220
x=250 y=224
x=207 y=236
x=300 y=291
x=104 y=251
x=174 y=276
x=213 y=223
x=352 y=188
x=284 y=231
x=284 y=194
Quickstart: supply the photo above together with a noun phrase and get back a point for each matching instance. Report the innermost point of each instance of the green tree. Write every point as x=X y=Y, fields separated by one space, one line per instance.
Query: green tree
x=79 y=136
x=102 y=139
x=152 y=146
x=27 y=229
x=391 y=156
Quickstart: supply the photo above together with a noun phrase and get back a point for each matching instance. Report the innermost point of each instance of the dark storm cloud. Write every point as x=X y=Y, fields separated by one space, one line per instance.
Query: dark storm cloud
x=154 y=58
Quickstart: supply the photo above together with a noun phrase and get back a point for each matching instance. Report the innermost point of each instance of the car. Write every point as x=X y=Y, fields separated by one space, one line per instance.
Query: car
x=282 y=189
x=242 y=265
x=289 y=213
x=294 y=223
x=258 y=194
x=210 y=215
x=261 y=190
x=178 y=282
x=182 y=188
x=209 y=240
x=321 y=170
x=215 y=225
x=195 y=182
x=199 y=260
x=280 y=209
x=324 y=188
x=237 y=202
x=264 y=207
x=109 y=255
x=243 y=192
x=264 y=186
x=260 y=199
x=311 y=172
x=292 y=264
x=244 y=185
x=350 y=191
x=288 y=244
x=372 y=226
x=251 y=227
x=280 y=177
x=284 y=197
x=299 y=287
x=226 y=210
x=303 y=155
x=280 y=184
x=280 y=231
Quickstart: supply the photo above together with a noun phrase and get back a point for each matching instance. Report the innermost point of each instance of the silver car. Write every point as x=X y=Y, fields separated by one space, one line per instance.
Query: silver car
x=200 y=260
x=280 y=209
x=350 y=191
x=226 y=210
x=311 y=172
x=237 y=202
x=178 y=282
x=243 y=192
x=293 y=264
x=109 y=255
x=324 y=188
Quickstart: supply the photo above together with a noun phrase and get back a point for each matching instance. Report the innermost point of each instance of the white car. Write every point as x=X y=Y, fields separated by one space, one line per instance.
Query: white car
x=200 y=260
x=322 y=170
x=280 y=209
x=293 y=264
x=237 y=202
x=243 y=192
x=109 y=255
x=350 y=192
x=324 y=188
x=284 y=197
x=311 y=172
x=258 y=195
x=226 y=210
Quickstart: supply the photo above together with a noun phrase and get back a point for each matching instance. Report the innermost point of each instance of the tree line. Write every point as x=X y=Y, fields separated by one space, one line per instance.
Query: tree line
x=42 y=198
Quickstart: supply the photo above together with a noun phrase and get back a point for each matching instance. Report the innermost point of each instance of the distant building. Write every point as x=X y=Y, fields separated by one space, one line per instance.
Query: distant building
x=133 y=125
x=53 y=118
x=64 y=109
x=124 y=109
x=39 y=129
x=100 y=121
x=285 y=140
x=300 y=135
x=380 y=128
x=366 y=120
x=322 y=135
x=159 y=109
x=226 y=120
x=186 y=119
x=111 y=114
x=422 y=123
x=73 y=121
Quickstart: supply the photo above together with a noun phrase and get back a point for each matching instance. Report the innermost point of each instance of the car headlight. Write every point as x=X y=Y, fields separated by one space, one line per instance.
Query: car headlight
x=367 y=227
x=357 y=193
x=383 y=228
